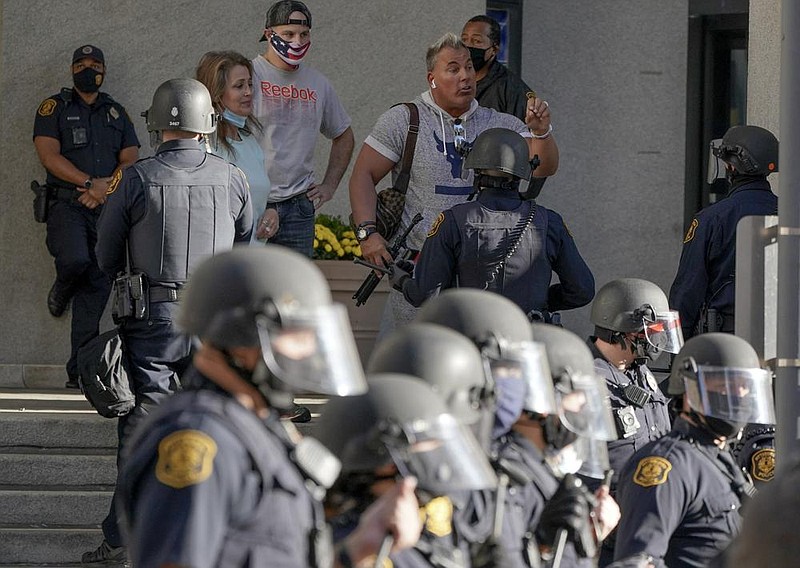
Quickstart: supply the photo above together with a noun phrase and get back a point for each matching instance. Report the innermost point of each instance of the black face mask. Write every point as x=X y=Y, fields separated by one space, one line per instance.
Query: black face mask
x=87 y=80
x=478 y=56
x=555 y=434
x=725 y=428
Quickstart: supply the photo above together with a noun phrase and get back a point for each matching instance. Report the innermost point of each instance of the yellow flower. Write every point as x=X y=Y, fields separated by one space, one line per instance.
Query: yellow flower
x=328 y=248
x=316 y=243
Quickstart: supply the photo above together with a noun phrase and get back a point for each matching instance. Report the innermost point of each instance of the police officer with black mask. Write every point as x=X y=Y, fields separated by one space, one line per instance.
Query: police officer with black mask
x=682 y=494
x=402 y=426
x=633 y=325
x=164 y=215
x=703 y=289
x=212 y=476
x=500 y=242
x=83 y=138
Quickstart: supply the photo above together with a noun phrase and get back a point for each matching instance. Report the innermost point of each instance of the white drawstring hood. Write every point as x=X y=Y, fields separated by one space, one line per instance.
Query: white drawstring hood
x=427 y=98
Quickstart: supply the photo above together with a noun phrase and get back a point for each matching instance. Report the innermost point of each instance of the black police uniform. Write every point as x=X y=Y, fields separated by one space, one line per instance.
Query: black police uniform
x=503 y=91
x=467 y=244
x=680 y=498
x=207 y=483
x=705 y=275
x=532 y=484
x=91 y=137
x=639 y=407
x=169 y=212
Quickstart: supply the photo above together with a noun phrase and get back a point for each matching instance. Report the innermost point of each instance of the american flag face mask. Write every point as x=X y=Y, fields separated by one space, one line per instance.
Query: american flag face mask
x=291 y=53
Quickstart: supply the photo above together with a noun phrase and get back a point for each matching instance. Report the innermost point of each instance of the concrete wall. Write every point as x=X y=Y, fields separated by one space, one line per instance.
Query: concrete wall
x=373 y=52
x=614 y=72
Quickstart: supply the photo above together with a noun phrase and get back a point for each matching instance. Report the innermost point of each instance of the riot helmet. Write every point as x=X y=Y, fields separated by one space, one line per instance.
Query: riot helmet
x=278 y=300
x=181 y=104
x=500 y=150
x=750 y=150
x=403 y=420
x=449 y=363
x=636 y=306
x=576 y=434
x=501 y=331
x=721 y=377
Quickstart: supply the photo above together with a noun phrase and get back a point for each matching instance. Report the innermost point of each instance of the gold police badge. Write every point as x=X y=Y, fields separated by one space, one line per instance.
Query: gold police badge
x=762 y=464
x=112 y=186
x=435 y=227
x=47 y=107
x=438 y=516
x=185 y=458
x=690 y=233
x=652 y=471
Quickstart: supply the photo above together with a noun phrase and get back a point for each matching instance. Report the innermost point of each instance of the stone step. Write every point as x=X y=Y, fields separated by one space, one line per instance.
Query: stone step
x=46 y=547
x=66 y=508
x=57 y=430
x=51 y=468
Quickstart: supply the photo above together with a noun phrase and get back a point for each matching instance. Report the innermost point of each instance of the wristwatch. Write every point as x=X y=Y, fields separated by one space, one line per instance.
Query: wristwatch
x=363 y=233
x=88 y=183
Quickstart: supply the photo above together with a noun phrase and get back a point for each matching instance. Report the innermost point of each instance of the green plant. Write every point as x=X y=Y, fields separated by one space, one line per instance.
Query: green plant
x=334 y=239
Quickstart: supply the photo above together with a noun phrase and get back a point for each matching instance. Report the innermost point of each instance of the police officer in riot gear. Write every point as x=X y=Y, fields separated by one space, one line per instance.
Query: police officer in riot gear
x=213 y=477
x=703 y=289
x=163 y=216
x=402 y=426
x=483 y=393
x=500 y=242
x=633 y=325
x=82 y=138
x=682 y=493
x=567 y=442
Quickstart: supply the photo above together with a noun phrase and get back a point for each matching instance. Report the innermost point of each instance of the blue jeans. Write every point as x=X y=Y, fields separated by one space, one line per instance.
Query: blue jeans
x=296 y=229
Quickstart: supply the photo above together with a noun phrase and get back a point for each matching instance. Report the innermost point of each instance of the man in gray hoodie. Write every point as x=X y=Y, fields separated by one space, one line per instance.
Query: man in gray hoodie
x=449 y=121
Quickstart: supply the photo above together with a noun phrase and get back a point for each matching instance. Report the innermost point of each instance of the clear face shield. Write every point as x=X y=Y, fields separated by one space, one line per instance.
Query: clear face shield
x=585 y=456
x=442 y=454
x=585 y=409
x=663 y=331
x=526 y=361
x=735 y=395
x=716 y=166
x=313 y=349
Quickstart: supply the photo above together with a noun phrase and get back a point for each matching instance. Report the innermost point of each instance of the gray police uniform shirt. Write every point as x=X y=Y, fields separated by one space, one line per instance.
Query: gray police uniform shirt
x=294 y=107
x=437 y=180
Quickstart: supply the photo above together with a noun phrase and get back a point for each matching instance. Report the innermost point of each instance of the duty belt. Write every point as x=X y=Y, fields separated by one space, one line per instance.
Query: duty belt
x=159 y=294
x=64 y=193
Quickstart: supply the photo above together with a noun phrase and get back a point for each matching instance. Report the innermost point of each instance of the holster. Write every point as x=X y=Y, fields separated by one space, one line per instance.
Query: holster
x=130 y=298
x=41 y=201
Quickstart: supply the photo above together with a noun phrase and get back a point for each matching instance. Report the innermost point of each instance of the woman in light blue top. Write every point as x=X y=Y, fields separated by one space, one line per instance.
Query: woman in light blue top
x=228 y=77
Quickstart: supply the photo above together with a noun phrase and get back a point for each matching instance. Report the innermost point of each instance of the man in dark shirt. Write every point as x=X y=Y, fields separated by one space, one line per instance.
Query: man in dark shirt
x=497 y=87
x=82 y=137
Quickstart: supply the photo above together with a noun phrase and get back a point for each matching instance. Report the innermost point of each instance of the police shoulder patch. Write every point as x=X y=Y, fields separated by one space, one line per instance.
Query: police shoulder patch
x=112 y=186
x=47 y=107
x=185 y=458
x=438 y=516
x=436 y=224
x=690 y=233
x=652 y=471
x=762 y=464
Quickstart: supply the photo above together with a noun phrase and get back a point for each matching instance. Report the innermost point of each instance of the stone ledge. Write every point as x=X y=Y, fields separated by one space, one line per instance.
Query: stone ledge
x=32 y=376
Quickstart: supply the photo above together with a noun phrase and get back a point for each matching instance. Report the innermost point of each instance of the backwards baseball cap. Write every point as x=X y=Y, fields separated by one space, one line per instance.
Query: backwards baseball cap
x=278 y=15
x=88 y=51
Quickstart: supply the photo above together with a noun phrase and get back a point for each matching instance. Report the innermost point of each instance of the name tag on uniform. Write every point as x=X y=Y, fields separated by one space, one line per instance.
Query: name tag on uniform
x=73 y=118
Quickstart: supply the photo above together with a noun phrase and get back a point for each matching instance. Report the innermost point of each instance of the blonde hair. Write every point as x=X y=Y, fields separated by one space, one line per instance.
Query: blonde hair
x=212 y=70
x=450 y=40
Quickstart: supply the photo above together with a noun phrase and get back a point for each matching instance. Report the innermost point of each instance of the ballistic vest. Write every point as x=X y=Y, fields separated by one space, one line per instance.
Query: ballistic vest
x=488 y=236
x=187 y=218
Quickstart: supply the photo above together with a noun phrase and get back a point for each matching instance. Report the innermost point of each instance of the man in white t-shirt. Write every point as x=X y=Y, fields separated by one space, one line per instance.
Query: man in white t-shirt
x=294 y=104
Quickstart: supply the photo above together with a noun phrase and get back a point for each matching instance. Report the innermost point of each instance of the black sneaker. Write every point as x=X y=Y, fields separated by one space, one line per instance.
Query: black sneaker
x=106 y=555
x=58 y=299
x=297 y=414
x=72 y=383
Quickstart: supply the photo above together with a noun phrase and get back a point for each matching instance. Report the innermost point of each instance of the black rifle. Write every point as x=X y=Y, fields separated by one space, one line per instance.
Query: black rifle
x=398 y=250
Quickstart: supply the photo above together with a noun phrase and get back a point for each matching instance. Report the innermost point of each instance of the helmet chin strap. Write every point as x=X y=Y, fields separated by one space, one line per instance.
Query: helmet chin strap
x=265 y=381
